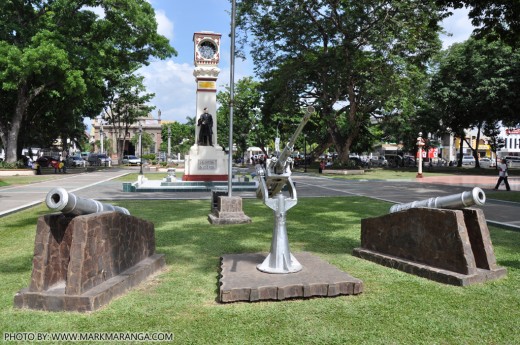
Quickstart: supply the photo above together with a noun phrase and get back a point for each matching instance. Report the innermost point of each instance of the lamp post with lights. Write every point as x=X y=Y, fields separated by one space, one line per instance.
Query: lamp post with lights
x=140 y=131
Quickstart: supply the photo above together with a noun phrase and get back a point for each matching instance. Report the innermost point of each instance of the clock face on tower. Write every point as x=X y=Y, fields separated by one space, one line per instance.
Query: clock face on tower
x=207 y=50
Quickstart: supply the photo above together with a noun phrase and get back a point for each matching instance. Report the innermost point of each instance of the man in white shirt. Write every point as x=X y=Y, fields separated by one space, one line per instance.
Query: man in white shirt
x=502 y=175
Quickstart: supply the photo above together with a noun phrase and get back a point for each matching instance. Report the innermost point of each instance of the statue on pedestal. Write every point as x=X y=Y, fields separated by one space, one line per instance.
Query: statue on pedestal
x=206 y=129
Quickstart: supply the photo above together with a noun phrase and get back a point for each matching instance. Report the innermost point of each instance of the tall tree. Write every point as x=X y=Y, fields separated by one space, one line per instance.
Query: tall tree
x=246 y=114
x=472 y=86
x=347 y=58
x=181 y=136
x=127 y=102
x=63 y=48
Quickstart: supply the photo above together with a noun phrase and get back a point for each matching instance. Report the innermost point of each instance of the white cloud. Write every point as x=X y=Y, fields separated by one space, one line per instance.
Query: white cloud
x=458 y=26
x=165 y=25
x=174 y=87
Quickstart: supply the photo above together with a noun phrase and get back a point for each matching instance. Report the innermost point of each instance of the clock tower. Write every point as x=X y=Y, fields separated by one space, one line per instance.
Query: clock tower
x=206 y=160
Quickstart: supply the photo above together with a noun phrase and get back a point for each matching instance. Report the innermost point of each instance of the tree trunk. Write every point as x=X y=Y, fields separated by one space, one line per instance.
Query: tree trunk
x=475 y=152
x=461 y=146
x=14 y=130
x=25 y=96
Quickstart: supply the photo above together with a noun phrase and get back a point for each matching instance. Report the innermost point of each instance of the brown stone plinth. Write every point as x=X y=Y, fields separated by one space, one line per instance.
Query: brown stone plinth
x=241 y=281
x=55 y=298
x=81 y=262
x=228 y=210
x=429 y=272
x=448 y=246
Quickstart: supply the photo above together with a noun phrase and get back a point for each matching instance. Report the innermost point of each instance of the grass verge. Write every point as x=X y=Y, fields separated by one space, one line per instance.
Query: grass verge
x=395 y=307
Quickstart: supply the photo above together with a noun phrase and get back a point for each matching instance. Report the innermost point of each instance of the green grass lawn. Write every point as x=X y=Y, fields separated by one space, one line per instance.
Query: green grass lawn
x=395 y=307
x=21 y=180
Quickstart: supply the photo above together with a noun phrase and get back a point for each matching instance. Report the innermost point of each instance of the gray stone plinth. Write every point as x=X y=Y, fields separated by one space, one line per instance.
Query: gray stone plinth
x=228 y=210
x=242 y=281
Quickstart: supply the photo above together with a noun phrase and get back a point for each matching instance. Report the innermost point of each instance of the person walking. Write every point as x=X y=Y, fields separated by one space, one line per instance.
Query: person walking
x=502 y=175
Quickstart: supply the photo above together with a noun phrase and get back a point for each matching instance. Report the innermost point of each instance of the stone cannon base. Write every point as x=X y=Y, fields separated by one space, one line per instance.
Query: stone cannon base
x=81 y=262
x=448 y=246
x=242 y=281
x=55 y=299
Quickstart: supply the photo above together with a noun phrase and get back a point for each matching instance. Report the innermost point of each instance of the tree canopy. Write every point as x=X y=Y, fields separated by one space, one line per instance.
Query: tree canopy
x=181 y=138
x=352 y=60
x=56 y=55
x=246 y=115
x=475 y=83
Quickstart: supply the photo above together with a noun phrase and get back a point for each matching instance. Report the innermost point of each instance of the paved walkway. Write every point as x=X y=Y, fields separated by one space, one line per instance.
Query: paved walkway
x=14 y=198
x=100 y=185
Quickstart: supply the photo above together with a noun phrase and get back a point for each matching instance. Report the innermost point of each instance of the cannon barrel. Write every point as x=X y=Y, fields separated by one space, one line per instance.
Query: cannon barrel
x=456 y=201
x=278 y=165
x=58 y=199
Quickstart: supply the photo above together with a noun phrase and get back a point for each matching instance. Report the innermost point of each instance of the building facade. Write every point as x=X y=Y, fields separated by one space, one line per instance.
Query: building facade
x=101 y=129
x=511 y=142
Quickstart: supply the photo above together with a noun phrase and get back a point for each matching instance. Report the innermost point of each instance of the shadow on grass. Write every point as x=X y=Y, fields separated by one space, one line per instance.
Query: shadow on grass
x=319 y=225
x=16 y=264
x=509 y=264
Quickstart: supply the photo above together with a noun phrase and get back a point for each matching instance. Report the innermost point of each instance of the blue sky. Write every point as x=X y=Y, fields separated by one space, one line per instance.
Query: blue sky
x=172 y=81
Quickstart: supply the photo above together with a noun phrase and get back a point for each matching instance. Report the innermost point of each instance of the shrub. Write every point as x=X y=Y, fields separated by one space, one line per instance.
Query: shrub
x=150 y=157
x=16 y=165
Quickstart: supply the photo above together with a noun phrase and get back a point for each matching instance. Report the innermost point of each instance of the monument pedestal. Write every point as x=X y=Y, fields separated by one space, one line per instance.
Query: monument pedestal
x=227 y=210
x=205 y=163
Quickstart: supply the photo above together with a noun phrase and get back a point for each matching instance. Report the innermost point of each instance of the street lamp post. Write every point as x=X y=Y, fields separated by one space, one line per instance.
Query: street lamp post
x=101 y=136
x=169 y=143
x=304 y=152
x=420 y=144
x=140 y=131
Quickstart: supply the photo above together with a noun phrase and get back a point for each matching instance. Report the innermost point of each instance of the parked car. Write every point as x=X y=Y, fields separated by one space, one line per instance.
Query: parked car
x=487 y=162
x=512 y=161
x=84 y=155
x=47 y=161
x=99 y=159
x=379 y=161
x=468 y=160
x=131 y=160
x=359 y=162
x=409 y=161
x=76 y=161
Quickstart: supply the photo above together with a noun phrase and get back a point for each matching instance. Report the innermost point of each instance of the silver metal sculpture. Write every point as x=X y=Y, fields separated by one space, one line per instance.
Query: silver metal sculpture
x=456 y=201
x=273 y=179
x=58 y=199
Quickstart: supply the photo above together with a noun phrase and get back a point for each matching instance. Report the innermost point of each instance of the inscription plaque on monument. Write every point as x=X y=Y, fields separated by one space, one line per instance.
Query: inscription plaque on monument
x=207 y=164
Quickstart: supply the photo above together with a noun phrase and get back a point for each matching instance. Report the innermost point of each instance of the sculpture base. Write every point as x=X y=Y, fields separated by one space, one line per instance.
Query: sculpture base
x=241 y=281
x=227 y=210
x=205 y=178
x=55 y=299
x=205 y=163
x=292 y=265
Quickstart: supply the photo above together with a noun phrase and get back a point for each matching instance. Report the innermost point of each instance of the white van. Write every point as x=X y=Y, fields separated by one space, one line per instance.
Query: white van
x=512 y=161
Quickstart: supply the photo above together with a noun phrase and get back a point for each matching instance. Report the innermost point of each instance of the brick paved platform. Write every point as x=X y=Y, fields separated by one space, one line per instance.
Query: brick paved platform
x=242 y=281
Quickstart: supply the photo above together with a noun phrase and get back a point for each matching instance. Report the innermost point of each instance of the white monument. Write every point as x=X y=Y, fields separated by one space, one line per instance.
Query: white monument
x=206 y=160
